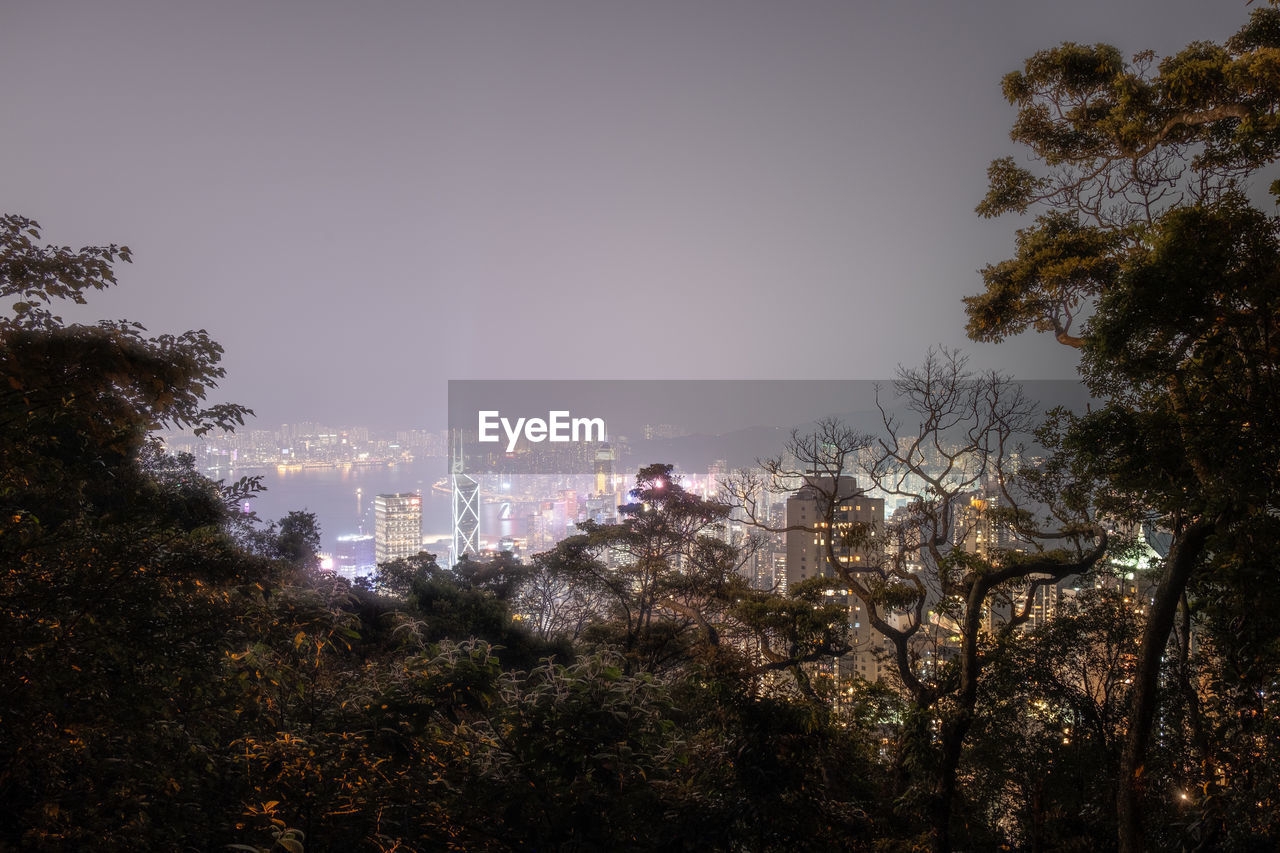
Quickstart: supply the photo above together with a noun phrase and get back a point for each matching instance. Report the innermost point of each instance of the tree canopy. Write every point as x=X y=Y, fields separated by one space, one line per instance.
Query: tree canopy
x=1148 y=254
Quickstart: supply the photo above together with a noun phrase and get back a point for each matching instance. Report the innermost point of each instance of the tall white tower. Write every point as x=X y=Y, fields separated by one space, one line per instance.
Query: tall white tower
x=466 y=504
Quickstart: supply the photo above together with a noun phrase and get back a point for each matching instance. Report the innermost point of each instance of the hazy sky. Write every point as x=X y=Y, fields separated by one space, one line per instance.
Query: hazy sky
x=361 y=201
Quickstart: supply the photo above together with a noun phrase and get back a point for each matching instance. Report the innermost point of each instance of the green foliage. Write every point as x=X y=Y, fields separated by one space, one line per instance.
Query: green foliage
x=1060 y=264
x=1143 y=227
x=1011 y=188
x=184 y=677
x=1120 y=144
x=1042 y=755
x=38 y=275
x=118 y=577
x=433 y=604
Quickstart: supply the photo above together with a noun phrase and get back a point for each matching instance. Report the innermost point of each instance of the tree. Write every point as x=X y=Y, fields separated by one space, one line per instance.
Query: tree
x=179 y=677
x=953 y=449
x=118 y=579
x=652 y=572
x=1144 y=229
x=770 y=766
x=1049 y=726
x=472 y=601
x=670 y=590
x=553 y=606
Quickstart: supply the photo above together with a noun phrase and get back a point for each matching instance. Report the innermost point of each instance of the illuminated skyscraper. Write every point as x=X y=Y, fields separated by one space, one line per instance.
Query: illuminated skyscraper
x=466 y=506
x=807 y=549
x=354 y=555
x=807 y=557
x=605 y=458
x=397 y=526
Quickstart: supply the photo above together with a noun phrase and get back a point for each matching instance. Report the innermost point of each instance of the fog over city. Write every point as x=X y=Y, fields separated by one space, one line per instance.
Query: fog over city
x=362 y=202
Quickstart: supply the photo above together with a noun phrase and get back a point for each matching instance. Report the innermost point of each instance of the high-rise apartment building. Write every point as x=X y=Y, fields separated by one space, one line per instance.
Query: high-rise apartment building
x=605 y=458
x=807 y=554
x=807 y=549
x=397 y=526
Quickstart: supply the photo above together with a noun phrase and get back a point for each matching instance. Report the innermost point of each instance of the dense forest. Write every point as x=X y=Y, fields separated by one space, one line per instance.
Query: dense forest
x=177 y=675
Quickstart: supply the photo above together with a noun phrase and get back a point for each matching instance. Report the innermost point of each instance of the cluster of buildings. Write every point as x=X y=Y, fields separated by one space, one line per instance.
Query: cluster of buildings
x=854 y=534
x=804 y=528
x=308 y=444
x=511 y=504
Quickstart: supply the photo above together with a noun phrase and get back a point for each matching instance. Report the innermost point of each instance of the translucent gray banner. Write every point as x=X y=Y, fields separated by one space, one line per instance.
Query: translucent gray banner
x=579 y=427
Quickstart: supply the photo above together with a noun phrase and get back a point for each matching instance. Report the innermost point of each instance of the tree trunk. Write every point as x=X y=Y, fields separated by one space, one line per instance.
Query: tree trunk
x=1183 y=555
x=953 y=735
x=956 y=728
